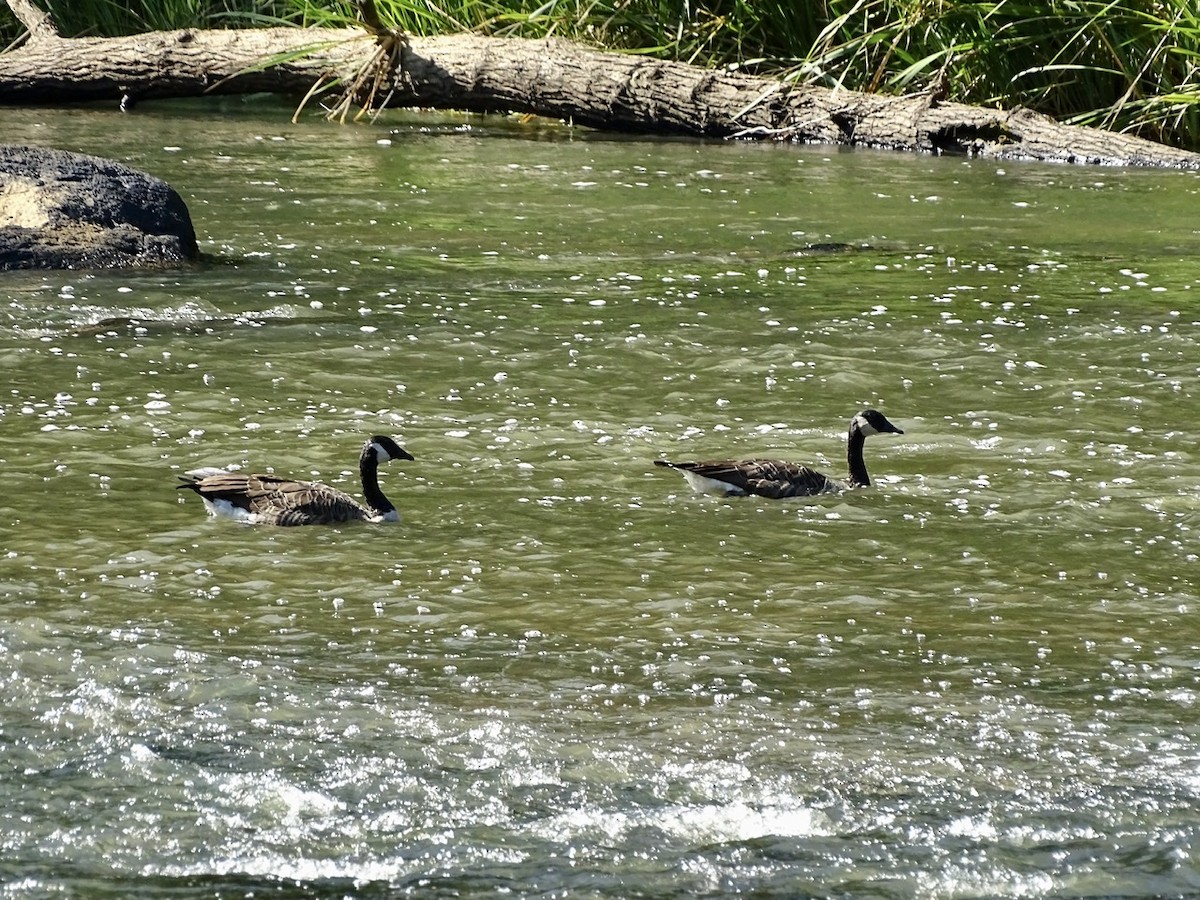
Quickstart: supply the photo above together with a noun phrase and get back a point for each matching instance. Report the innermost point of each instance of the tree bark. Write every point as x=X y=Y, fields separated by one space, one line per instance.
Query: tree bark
x=553 y=78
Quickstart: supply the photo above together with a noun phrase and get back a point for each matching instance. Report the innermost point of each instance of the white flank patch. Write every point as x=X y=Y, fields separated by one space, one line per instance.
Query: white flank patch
x=227 y=510
x=703 y=485
x=206 y=471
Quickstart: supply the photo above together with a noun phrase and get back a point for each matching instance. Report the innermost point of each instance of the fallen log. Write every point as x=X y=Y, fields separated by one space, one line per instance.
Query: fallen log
x=553 y=78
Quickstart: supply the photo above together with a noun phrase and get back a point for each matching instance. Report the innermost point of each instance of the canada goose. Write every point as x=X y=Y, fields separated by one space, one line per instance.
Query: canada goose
x=271 y=500
x=776 y=478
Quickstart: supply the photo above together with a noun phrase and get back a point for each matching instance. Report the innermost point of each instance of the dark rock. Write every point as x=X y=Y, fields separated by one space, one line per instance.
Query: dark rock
x=828 y=248
x=62 y=210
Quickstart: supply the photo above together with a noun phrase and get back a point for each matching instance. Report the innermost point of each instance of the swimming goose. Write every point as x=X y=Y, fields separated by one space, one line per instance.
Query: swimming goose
x=776 y=478
x=271 y=500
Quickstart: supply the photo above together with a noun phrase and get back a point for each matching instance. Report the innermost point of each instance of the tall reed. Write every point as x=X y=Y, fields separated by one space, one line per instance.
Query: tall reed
x=110 y=18
x=1129 y=65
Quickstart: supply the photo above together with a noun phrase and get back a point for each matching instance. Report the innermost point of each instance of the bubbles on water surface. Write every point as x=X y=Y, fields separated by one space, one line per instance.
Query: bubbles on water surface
x=559 y=668
x=462 y=784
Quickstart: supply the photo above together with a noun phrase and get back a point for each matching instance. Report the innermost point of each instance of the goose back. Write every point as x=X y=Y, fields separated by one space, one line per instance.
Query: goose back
x=275 y=500
x=271 y=500
x=773 y=478
x=779 y=479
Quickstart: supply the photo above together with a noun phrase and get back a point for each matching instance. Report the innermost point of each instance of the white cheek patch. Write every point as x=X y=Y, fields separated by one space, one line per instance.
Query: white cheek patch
x=867 y=429
x=381 y=455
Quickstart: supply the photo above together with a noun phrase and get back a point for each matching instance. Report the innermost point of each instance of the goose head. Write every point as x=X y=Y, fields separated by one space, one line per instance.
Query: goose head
x=872 y=421
x=385 y=449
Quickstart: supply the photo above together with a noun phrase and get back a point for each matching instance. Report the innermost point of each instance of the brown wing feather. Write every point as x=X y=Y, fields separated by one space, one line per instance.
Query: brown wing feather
x=280 y=501
x=316 y=505
x=774 y=478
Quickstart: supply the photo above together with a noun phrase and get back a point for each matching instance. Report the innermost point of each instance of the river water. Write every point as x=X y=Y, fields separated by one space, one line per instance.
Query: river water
x=563 y=674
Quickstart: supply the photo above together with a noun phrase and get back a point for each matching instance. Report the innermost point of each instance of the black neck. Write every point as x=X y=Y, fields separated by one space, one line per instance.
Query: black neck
x=854 y=456
x=368 y=468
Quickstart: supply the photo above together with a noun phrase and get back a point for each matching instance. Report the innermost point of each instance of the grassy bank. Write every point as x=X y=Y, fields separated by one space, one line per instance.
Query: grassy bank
x=1130 y=65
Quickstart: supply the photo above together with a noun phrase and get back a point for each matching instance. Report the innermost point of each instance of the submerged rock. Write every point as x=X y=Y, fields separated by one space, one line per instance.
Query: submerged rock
x=61 y=210
x=829 y=248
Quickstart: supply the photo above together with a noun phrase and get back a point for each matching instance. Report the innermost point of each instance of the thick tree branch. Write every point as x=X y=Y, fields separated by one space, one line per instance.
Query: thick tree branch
x=40 y=25
x=553 y=78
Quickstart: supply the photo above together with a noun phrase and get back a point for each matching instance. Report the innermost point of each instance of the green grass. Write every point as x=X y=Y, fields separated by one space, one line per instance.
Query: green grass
x=109 y=18
x=1131 y=65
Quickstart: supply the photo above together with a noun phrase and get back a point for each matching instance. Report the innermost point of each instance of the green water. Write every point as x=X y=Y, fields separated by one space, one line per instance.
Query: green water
x=563 y=674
